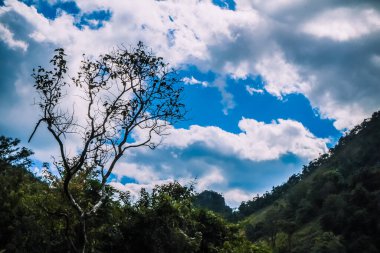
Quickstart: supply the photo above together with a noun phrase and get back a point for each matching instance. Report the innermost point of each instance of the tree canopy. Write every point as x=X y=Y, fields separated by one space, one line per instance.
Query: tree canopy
x=37 y=217
x=128 y=99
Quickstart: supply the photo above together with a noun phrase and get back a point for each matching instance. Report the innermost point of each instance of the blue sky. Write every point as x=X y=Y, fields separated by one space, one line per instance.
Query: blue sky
x=269 y=85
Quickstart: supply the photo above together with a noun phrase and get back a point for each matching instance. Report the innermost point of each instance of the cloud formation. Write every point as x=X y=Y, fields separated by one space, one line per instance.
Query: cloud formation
x=343 y=24
x=234 y=164
x=256 y=142
x=192 y=81
x=289 y=47
x=8 y=37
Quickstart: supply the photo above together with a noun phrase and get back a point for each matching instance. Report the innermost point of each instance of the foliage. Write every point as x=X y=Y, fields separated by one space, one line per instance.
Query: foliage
x=259 y=202
x=123 y=92
x=337 y=194
x=37 y=217
x=11 y=154
x=213 y=201
x=22 y=224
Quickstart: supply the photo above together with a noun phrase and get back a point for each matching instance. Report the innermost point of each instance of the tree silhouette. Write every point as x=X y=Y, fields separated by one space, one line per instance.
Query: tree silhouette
x=130 y=96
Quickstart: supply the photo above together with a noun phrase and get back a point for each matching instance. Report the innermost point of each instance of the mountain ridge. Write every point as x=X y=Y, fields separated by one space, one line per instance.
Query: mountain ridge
x=331 y=206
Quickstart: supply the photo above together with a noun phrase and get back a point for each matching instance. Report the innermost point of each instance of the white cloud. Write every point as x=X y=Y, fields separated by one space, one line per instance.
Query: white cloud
x=248 y=157
x=281 y=77
x=59 y=31
x=268 y=6
x=234 y=197
x=343 y=24
x=274 y=39
x=257 y=141
x=196 y=25
x=213 y=177
x=252 y=90
x=8 y=38
x=192 y=81
x=346 y=116
x=376 y=60
x=142 y=174
x=227 y=98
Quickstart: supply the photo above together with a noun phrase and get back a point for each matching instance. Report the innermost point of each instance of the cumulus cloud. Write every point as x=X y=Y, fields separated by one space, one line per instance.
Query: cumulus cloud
x=213 y=177
x=343 y=24
x=281 y=77
x=237 y=179
x=8 y=37
x=142 y=174
x=269 y=6
x=234 y=197
x=236 y=165
x=257 y=141
x=278 y=40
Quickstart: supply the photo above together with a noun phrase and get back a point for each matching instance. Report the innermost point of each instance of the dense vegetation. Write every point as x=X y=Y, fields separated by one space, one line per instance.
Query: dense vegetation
x=215 y=202
x=332 y=206
x=36 y=217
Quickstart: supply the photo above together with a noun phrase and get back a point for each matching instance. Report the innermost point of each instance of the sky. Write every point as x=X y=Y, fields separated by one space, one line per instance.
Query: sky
x=269 y=84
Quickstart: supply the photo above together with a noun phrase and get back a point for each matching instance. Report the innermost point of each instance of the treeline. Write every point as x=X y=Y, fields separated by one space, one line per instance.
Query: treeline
x=363 y=142
x=36 y=217
x=258 y=202
x=333 y=206
x=247 y=208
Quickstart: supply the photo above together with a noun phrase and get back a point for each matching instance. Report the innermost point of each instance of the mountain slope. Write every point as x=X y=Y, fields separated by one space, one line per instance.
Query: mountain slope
x=332 y=206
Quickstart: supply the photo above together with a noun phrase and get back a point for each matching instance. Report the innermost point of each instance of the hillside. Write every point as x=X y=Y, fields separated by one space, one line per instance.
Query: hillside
x=332 y=206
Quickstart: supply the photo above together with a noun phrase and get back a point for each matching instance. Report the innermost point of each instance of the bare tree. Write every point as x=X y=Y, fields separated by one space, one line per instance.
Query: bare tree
x=124 y=91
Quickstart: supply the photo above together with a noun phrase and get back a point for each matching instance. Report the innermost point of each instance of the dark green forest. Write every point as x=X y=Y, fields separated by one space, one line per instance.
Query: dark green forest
x=333 y=205
x=36 y=216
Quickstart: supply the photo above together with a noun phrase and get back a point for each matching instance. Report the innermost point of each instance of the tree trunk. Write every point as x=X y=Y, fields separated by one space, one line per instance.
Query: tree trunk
x=290 y=242
x=273 y=240
x=83 y=233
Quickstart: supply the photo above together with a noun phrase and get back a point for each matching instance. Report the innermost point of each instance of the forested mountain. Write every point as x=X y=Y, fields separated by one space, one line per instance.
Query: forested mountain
x=332 y=206
x=213 y=201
